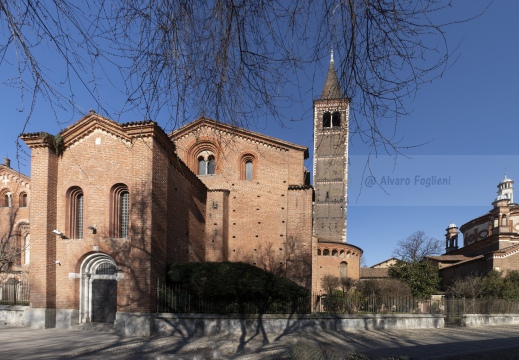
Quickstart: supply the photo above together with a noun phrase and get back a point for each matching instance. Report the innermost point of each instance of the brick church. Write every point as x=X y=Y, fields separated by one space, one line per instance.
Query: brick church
x=108 y=206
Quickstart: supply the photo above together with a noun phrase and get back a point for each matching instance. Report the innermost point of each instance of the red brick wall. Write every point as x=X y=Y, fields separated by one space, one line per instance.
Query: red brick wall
x=258 y=209
x=330 y=264
x=217 y=226
x=299 y=238
x=42 y=275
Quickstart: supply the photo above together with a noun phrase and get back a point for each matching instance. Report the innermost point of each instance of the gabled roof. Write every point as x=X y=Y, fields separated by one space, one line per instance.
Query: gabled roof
x=448 y=258
x=374 y=273
x=385 y=262
x=91 y=122
x=13 y=174
x=236 y=131
x=479 y=257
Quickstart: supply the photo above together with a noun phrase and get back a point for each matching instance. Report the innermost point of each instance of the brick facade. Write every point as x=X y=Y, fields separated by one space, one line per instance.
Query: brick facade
x=266 y=220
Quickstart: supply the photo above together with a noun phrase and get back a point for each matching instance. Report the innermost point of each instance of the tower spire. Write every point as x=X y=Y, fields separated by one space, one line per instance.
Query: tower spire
x=331 y=89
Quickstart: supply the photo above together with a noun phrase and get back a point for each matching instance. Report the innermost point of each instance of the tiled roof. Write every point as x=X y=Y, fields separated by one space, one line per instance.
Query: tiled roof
x=370 y=273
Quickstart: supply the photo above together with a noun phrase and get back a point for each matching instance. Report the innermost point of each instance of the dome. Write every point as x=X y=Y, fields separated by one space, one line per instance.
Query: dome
x=452 y=225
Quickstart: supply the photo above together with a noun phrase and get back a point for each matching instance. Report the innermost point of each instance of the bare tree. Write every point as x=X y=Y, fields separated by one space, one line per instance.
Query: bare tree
x=471 y=287
x=347 y=284
x=330 y=283
x=363 y=261
x=10 y=249
x=232 y=60
x=417 y=246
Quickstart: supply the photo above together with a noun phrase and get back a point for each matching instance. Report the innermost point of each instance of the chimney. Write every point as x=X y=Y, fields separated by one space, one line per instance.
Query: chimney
x=7 y=162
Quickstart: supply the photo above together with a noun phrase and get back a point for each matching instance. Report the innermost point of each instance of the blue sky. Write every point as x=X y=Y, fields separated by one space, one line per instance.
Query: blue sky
x=466 y=120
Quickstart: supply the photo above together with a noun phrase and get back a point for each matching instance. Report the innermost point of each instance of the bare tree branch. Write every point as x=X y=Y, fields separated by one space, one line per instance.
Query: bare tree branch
x=233 y=60
x=417 y=246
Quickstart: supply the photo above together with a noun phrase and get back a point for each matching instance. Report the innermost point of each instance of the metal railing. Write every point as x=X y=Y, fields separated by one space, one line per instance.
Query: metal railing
x=14 y=292
x=179 y=299
x=375 y=304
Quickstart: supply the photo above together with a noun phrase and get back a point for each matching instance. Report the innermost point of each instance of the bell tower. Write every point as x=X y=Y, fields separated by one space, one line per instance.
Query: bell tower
x=330 y=167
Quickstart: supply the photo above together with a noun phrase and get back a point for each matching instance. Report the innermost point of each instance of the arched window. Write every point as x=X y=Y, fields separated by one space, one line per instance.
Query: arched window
x=326 y=252
x=341 y=254
x=105 y=268
x=202 y=167
x=319 y=252
x=5 y=199
x=327 y=117
x=248 y=170
x=23 y=199
x=120 y=211
x=336 y=119
x=334 y=253
x=343 y=268
x=76 y=210
x=247 y=167
x=210 y=165
x=206 y=163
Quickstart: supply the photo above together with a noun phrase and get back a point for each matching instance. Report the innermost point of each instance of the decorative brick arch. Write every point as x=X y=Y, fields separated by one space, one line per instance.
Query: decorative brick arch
x=248 y=157
x=203 y=145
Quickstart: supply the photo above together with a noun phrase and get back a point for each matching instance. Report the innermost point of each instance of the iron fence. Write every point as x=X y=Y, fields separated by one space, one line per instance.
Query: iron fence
x=455 y=308
x=375 y=304
x=179 y=299
x=14 y=292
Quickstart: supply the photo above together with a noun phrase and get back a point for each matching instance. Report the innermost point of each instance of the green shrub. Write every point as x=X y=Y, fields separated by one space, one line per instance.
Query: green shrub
x=245 y=282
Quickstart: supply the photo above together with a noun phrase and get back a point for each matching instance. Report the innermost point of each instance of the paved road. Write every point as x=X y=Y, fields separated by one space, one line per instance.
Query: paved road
x=488 y=342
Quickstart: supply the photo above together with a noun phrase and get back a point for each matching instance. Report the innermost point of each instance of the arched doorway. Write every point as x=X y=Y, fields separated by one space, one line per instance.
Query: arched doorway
x=98 y=291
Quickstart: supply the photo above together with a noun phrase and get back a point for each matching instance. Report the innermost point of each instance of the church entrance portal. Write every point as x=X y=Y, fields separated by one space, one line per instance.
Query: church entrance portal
x=98 y=292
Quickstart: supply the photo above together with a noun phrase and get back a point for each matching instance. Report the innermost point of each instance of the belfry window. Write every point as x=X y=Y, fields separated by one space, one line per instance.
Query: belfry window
x=76 y=210
x=336 y=119
x=327 y=118
x=120 y=211
x=206 y=163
